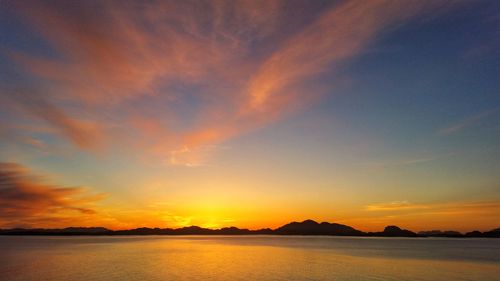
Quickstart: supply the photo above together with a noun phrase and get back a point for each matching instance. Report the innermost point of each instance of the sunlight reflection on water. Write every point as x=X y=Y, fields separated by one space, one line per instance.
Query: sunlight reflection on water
x=247 y=258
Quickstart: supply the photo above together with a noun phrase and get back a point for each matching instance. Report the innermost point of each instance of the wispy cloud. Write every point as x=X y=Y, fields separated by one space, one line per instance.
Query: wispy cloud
x=436 y=209
x=26 y=199
x=173 y=76
x=410 y=161
x=84 y=134
x=187 y=157
x=479 y=208
x=395 y=206
x=460 y=215
x=468 y=122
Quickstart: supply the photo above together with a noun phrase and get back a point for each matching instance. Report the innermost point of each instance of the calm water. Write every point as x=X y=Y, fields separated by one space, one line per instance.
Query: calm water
x=247 y=258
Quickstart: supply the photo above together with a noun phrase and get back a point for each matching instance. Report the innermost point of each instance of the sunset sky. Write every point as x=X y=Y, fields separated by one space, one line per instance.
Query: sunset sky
x=252 y=114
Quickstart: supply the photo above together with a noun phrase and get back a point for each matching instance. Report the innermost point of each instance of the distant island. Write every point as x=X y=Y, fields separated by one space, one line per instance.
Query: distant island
x=307 y=227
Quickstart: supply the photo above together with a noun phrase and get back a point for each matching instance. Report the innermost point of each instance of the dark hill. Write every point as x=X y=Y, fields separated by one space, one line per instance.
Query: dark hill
x=495 y=233
x=439 y=233
x=310 y=227
x=394 y=231
x=62 y=231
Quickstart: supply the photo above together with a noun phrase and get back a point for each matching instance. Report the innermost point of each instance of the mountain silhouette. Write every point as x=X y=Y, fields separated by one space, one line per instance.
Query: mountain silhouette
x=394 y=231
x=439 y=233
x=307 y=227
x=495 y=233
x=310 y=227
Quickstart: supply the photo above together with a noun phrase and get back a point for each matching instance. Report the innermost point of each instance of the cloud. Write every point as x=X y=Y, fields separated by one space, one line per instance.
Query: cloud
x=405 y=162
x=35 y=103
x=468 y=122
x=171 y=76
x=456 y=215
x=479 y=208
x=31 y=201
x=437 y=209
x=395 y=206
x=26 y=199
x=187 y=157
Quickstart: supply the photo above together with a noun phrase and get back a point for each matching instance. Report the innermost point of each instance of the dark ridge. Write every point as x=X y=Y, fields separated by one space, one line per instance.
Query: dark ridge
x=307 y=227
x=492 y=233
x=439 y=233
x=310 y=227
x=59 y=231
x=495 y=233
x=394 y=231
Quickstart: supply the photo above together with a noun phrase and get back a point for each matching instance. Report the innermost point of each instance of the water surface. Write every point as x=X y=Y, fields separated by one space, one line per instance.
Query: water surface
x=247 y=258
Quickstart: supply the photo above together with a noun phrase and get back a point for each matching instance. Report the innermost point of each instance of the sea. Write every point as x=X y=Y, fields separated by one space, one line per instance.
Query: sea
x=127 y=258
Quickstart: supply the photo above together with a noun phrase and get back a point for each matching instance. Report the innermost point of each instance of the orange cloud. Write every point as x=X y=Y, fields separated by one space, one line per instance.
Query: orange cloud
x=241 y=64
x=26 y=201
x=395 y=206
x=458 y=215
x=83 y=133
x=455 y=208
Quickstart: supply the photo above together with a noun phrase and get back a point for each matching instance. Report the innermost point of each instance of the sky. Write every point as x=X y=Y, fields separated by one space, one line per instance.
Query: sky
x=252 y=114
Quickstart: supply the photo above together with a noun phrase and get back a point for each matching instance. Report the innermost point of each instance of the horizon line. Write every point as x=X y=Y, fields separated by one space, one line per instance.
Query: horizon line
x=268 y=229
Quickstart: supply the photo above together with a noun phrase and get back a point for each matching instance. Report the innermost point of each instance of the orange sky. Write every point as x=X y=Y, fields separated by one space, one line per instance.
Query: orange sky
x=249 y=113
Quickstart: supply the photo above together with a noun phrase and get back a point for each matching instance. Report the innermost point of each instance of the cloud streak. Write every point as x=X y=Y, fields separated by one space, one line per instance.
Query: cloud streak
x=395 y=206
x=484 y=208
x=26 y=199
x=36 y=104
x=169 y=77
x=468 y=122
